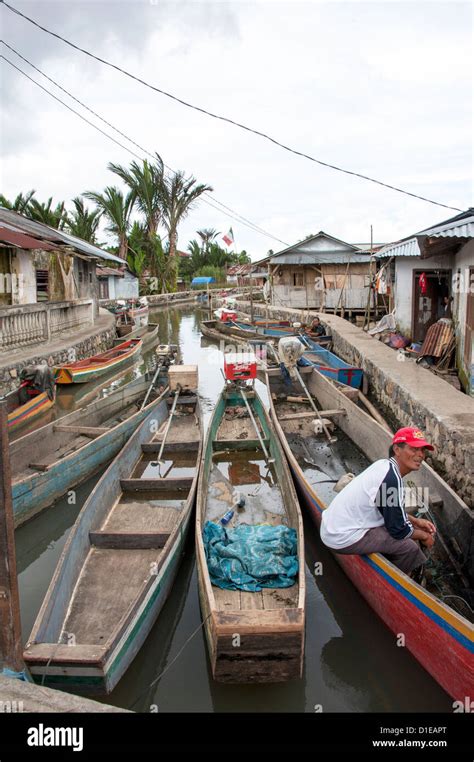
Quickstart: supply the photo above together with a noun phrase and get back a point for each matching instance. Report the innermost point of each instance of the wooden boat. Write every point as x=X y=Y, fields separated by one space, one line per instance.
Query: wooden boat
x=330 y=365
x=269 y=623
x=53 y=459
x=21 y=411
x=147 y=333
x=121 y=557
x=279 y=330
x=93 y=367
x=437 y=634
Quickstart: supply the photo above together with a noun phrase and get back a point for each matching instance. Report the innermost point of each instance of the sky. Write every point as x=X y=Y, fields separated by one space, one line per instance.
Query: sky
x=384 y=89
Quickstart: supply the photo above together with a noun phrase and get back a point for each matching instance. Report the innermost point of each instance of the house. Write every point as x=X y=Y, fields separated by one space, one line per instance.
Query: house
x=253 y=273
x=116 y=283
x=323 y=273
x=48 y=281
x=424 y=268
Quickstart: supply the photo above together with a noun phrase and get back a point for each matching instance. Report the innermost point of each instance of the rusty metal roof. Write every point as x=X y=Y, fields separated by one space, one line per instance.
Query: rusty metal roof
x=44 y=234
x=21 y=240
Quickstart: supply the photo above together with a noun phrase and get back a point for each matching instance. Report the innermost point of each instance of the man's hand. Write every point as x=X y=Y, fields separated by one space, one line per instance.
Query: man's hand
x=424 y=524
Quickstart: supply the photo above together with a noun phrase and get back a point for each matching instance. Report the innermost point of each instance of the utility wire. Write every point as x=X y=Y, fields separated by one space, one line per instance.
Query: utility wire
x=234 y=215
x=238 y=217
x=223 y=118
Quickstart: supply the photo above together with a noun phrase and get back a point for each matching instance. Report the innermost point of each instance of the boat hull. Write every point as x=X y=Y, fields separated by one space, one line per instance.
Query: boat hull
x=439 y=638
x=37 y=492
x=28 y=412
x=270 y=648
x=71 y=374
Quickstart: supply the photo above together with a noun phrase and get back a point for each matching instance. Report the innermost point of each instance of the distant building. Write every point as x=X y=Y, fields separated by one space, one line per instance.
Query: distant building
x=322 y=273
x=117 y=283
x=253 y=273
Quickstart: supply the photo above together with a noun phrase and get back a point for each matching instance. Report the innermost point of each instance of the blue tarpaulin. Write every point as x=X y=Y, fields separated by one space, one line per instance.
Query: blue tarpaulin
x=251 y=557
x=202 y=281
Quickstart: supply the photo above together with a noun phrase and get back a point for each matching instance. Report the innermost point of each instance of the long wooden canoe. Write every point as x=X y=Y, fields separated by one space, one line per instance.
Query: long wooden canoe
x=147 y=333
x=121 y=557
x=55 y=458
x=269 y=623
x=437 y=634
x=91 y=368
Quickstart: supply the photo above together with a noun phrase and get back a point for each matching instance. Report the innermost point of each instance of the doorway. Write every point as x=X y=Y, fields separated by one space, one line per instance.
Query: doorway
x=429 y=289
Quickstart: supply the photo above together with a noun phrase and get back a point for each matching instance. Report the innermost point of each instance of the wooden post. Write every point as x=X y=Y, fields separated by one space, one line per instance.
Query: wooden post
x=11 y=649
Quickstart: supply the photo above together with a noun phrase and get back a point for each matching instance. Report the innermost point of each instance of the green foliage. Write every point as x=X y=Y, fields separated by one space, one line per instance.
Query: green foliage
x=209 y=271
x=44 y=212
x=82 y=222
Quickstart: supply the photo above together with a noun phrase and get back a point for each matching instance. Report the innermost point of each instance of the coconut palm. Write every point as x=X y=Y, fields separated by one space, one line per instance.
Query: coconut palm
x=44 y=212
x=117 y=209
x=146 y=182
x=180 y=193
x=20 y=204
x=82 y=222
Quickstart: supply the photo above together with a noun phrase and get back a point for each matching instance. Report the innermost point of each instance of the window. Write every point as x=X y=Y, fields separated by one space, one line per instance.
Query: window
x=298 y=279
x=42 y=282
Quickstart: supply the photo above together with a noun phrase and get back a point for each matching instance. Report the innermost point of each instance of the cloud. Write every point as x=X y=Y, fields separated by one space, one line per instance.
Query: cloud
x=378 y=88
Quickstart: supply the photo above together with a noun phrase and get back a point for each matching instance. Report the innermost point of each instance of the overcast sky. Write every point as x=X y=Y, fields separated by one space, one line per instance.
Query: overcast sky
x=380 y=88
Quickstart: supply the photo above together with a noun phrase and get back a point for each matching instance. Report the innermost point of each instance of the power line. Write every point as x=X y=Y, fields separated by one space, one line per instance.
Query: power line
x=236 y=216
x=223 y=118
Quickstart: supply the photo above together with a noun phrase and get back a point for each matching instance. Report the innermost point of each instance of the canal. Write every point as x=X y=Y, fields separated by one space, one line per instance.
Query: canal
x=352 y=661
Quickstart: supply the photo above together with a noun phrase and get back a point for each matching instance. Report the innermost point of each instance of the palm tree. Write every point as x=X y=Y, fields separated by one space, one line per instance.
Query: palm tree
x=146 y=182
x=117 y=209
x=20 y=204
x=179 y=195
x=207 y=236
x=44 y=212
x=82 y=222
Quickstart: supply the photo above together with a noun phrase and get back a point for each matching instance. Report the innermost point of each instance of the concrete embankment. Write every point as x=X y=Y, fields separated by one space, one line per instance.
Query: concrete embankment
x=412 y=394
x=85 y=342
x=18 y=696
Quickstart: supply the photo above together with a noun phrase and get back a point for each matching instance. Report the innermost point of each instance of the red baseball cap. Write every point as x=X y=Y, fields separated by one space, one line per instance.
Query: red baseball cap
x=412 y=437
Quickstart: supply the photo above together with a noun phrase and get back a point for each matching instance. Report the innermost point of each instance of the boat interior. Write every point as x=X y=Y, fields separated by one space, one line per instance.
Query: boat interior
x=130 y=527
x=239 y=469
x=323 y=463
x=45 y=446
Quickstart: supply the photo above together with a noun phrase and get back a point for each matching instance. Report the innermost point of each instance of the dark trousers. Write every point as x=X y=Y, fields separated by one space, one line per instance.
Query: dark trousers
x=406 y=554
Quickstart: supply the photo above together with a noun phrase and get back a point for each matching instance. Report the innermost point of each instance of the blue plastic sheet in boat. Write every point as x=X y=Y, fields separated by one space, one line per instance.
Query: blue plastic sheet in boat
x=251 y=557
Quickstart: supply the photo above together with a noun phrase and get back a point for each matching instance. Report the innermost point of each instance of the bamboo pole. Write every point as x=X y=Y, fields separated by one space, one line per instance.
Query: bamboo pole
x=11 y=649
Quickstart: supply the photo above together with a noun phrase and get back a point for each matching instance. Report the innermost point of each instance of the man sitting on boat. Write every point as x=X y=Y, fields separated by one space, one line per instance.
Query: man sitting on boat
x=368 y=516
x=316 y=329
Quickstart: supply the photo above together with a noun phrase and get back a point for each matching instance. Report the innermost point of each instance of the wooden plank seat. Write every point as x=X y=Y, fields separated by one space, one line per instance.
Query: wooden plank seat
x=190 y=399
x=171 y=446
x=169 y=484
x=221 y=445
x=311 y=414
x=128 y=540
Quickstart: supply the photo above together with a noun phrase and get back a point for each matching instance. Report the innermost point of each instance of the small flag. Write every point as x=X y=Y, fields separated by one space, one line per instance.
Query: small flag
x=229 y=237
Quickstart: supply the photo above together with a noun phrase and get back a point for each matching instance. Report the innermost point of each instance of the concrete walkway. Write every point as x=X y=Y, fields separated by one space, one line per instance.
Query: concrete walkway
x=18 y=696
x=414 y=395
x=86 y=341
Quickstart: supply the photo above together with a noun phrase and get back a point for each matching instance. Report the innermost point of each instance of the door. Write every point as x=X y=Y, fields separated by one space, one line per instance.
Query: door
x=429 y=288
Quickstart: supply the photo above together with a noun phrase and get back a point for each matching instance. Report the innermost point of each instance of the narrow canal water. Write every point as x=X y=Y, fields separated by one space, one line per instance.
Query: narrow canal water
x=352 y=662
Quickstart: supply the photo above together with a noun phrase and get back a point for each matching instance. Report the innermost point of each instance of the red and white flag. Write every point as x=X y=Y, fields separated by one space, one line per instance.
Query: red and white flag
x=228 y=238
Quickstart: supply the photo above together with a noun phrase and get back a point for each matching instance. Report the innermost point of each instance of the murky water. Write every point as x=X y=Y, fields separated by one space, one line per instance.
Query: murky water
x=352 y=662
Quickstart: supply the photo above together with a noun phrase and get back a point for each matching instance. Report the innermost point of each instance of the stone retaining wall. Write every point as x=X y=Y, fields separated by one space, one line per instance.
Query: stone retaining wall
x=90 y=345
x=413 y=396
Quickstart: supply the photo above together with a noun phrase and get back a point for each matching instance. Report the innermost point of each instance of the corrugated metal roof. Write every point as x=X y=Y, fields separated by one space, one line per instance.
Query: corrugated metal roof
x=318 y=258
x=21 y=224
x=21 y=240
x=408 y=248
x=457 y=229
